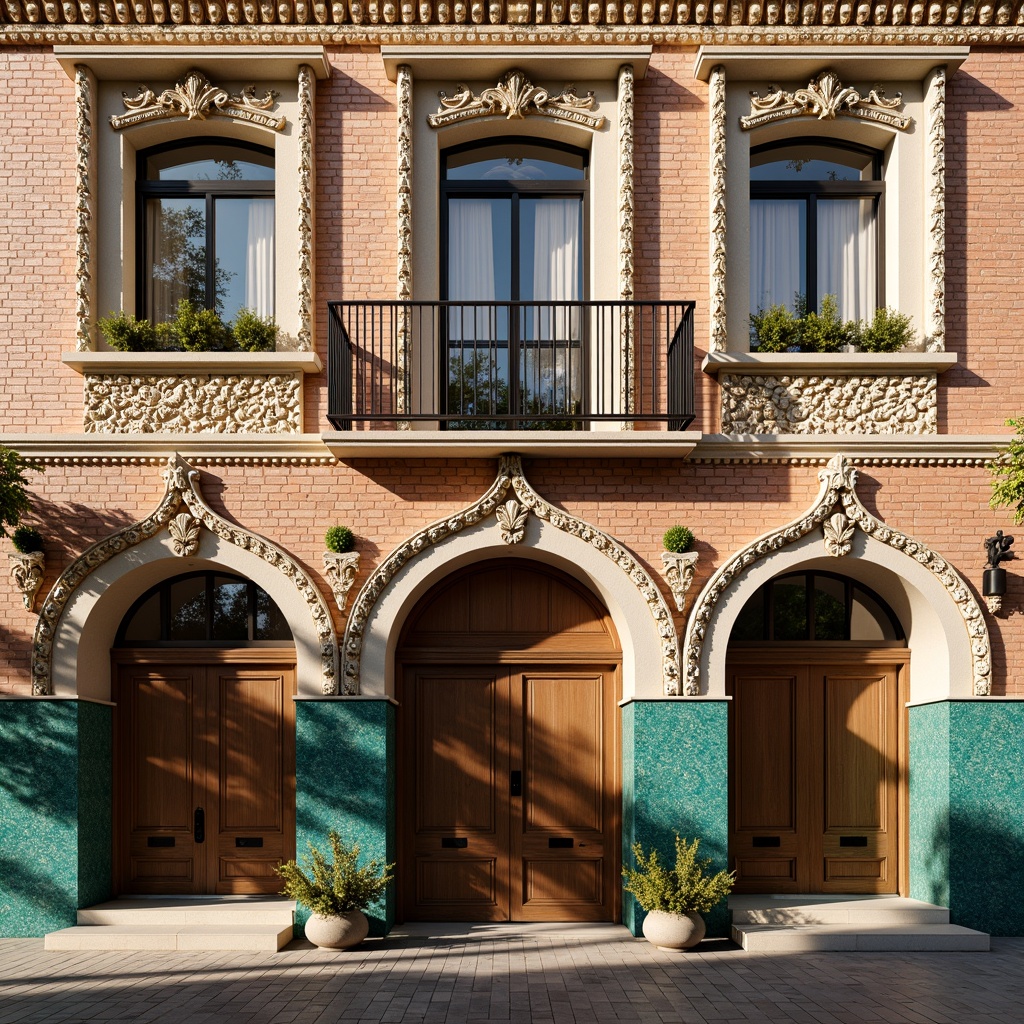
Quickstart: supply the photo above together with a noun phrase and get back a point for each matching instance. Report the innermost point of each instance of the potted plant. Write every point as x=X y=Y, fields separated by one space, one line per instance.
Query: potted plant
x=679 y=562
x=675 y=898
x=336 y=892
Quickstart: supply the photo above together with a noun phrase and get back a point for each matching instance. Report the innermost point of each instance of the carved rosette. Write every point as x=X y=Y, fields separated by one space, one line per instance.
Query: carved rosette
x=83 y=207
x=404 y=235
x=184 y=531
x=824 y=98
x=340 y=569
x=678 y=568
x=626 y=228
x=196 y=98
x=27 y=570
x=306 y=171
x=838 y=531
x=181 y=494
x=512 y=521
x=719 y=339
x=510 y=475
x=936 y=212
x=838 y=488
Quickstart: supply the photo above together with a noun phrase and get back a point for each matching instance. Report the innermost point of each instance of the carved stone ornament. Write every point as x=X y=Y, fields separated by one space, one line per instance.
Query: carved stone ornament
x=512 y=521
x=84 y=165
x=515 y=97
x=838 y=532
x=27 y=569
x=935 y=205
x=838 y=488
x=182 y=494
x=627 y=202
x=196 y=98
x=184 y=531
x=824 y=98
x=510 y=476
x=305 y=210
x=340 y=570
x=719 y=339
x=679 y=570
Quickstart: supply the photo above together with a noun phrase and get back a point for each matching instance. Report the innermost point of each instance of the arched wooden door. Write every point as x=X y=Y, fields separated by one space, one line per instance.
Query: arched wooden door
x=509 y=792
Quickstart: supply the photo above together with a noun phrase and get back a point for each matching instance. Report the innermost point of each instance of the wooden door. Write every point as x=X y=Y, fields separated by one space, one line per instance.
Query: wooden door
x=815 y=754
x=204 y=776
x=510 y=802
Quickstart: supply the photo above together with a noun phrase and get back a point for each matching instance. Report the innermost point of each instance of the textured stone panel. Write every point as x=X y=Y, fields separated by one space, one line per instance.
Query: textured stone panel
x=200 y=403
x=787 y=404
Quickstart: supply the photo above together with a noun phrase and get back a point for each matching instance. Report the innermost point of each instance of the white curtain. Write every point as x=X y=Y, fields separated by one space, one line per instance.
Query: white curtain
x=777 y=257
x=846 y=255
x=259 y=258
x=471 y=276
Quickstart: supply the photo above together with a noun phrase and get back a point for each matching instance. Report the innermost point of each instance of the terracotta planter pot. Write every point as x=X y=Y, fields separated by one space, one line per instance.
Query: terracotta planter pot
x=673 y=931
x=340 y=932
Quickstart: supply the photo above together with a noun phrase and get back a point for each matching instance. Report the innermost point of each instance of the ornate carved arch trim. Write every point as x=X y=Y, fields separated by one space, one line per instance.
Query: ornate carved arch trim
x=838 y=512
x=184 y=513
x=511 y=514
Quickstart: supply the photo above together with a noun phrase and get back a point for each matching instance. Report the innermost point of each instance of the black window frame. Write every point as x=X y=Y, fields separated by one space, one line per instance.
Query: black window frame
x=810 y=190
x=180 y=188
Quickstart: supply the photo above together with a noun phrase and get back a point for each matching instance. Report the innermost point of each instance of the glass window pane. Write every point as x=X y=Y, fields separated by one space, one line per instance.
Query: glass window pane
x=514 y=161
x=145 y=624
x=868 y=620
x=270 y=623
x=789 y=609
x=210 y=163
x=811 y=163
x=778 y=257
x=750 y=622
x=175 y=256
x=244 y=271
x=829 y=609
x=188 y=609
x=230 y=609
x=847 y=254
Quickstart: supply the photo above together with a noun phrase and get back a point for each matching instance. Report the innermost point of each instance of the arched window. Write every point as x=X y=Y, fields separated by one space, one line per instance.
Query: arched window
x=206 y=228
x=816 y=606
x=204 y=609
x=816 y=226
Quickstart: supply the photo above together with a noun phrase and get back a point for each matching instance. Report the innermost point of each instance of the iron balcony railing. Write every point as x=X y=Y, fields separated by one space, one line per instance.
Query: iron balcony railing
x=510 y=365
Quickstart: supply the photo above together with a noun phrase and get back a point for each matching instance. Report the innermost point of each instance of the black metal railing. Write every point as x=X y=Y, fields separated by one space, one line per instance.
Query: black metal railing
x=510 y=365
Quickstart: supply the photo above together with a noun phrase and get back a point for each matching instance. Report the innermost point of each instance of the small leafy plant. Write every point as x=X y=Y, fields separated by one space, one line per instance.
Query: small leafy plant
x=193 y=329
x=253 y=333
x=199 y=330
x=684 y=889
x=776 y=329
x=27 y=539
x=677 y=539
x=126 y=334
x=337 y=886
x=14 y=501
x=1007 y=471
x=888 y=331
x=339 y=539
x=825 y=330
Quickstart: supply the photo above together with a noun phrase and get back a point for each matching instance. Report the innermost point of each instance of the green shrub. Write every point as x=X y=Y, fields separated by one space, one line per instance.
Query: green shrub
x=253 y=333
x=775 y=329
x=337 y=886
x=1007 y=471
x=27 y=539
x=199 y=330
x=339 y=539
x=679 y=890
x=825 y=331
x=889 y=331
x=678 y=539
x=126 y=334
x=14 y=501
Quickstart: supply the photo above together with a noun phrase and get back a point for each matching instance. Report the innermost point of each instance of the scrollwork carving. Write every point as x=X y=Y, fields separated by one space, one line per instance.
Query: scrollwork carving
x=83 y=207
x=306 y=170
x=679 y=568
x=838 y=531
x=184 y=531
x=27 y=571
x=340 y=569
x=936 y=203
x=512 y=521
x=719 y=339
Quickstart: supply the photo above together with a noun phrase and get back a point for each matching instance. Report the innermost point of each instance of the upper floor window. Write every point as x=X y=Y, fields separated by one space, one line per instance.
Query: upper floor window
x=206 y=228
x=816 y=226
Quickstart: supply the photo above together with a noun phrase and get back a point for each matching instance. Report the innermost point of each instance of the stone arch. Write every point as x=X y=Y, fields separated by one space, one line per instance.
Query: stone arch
x=84 y=607
x=944 y=623
x=650 y=655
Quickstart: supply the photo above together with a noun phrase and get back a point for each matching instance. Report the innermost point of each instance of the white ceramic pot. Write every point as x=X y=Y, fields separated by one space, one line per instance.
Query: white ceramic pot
x=337 y=932
x=673 y=931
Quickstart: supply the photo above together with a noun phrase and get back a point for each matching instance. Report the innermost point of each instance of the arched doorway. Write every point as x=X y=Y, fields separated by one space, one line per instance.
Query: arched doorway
x=509 y=774
x=817 y=670
x=204 y=739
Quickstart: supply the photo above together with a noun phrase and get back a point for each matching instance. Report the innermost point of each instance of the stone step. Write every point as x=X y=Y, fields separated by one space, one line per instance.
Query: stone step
x=863 y=911
x=141 y=937
x=225 y=911
x=759 y=938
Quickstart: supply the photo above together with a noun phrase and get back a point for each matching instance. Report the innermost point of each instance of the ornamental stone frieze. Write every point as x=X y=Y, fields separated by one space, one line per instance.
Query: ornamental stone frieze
x=193 y=404
x=791 y=404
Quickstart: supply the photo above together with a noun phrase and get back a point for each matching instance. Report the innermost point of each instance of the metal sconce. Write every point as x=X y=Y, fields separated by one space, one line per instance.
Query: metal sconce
x=993 y=583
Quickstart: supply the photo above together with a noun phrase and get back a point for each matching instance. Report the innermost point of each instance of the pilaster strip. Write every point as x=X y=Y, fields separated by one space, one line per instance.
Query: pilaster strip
x=83 y=207
x=307 y=79
x=935 y=330
x=626 y=228
x=718 y=340
x=404 y=231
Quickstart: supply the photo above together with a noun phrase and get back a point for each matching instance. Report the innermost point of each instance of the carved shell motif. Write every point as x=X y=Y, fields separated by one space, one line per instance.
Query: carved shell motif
x=512 y=521
x=838 y=532
x=184 y=531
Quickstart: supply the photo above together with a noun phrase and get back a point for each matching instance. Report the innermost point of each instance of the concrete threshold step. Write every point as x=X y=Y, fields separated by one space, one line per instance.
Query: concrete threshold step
x=865 y=911
x=242 y=912
x=148 y=937
x=807 y=938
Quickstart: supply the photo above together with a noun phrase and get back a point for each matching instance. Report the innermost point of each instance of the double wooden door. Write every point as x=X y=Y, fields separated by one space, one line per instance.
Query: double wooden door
x=509 y=796
x=815 y=772
x=204 y=773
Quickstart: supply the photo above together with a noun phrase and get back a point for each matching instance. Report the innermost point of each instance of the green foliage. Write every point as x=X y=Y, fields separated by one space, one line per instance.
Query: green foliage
x=1007 y=471
x=14 y=501
x=126 y=334
x=27 y=539
x=253 y=333
x=825 y=330
x=339 y=539
x=677 y=539
x=775 y=329
x=199 y=330
x=334 y=886
x=889 y=331
x=678 y=890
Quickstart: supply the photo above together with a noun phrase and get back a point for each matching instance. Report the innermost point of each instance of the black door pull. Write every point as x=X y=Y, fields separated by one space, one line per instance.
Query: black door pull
x=515 y=787
x=199 y=825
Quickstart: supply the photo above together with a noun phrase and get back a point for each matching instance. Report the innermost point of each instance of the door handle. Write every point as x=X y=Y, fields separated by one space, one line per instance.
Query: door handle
x=515 y=783
x=199 y=825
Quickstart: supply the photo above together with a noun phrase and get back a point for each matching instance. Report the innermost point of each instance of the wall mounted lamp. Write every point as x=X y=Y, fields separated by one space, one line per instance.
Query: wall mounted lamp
x=993 y=582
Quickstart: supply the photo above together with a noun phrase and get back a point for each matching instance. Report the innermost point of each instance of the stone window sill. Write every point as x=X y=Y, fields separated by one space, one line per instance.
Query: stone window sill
x=847 y=364
x=192 y=362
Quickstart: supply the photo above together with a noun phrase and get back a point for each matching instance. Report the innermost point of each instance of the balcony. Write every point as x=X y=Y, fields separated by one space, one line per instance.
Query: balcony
x=485 y=377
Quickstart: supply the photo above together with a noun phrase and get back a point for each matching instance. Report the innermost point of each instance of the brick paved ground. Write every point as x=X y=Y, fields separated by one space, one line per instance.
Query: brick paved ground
x=545 y=978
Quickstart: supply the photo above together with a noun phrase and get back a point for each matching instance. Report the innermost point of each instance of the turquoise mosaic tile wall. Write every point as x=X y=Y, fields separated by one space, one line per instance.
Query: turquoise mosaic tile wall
x=675 y=778
x=967 y=811
x=345 y=779
x=55 y=803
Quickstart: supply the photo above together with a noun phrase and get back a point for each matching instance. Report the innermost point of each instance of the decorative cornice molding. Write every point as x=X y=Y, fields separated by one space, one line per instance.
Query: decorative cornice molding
x=824 y=98
x=719 y=338
x=935 y=201
x=510 y=477
x=626 y=235
x=195 y=97
x=84 y=164
x=838 y=491
x=515 y=97
x=307 y=169
x=182 y=490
